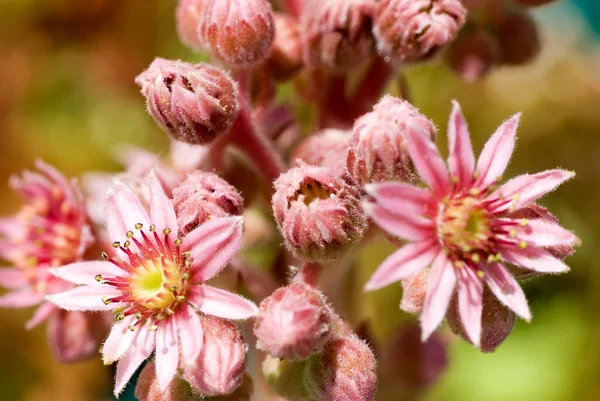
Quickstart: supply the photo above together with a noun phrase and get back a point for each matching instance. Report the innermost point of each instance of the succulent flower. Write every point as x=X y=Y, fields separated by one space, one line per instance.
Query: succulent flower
x=285 y=58
x=188 y=16
x=462 y=226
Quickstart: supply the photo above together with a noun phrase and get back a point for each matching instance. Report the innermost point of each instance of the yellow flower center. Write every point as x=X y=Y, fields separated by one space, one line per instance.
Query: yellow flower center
x=154 y=282
x=464 y=225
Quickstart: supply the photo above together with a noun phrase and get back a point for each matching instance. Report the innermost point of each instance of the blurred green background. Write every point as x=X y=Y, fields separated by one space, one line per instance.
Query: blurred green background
x=67 y=96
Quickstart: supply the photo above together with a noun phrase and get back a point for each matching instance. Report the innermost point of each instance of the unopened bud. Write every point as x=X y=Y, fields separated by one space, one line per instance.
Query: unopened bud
x=414 y=290
x=75 y=336
x=415 y=30
x=318 y=215
x=193 y=103
x=518 y=37
x=285 y=58
x=293 y=322
x=473 y=54
x=337 y=33
x=497 y=321
x=286 y=377
x=219 y=368
x=344 y=371
x=243 y=392
x=188 y=15
x=148 y=389
x=326 y=148
x=204 y=196
x=238 y=32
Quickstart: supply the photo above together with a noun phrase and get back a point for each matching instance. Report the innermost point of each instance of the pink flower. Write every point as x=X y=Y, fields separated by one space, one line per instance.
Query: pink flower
x=462 y=225
x=153 y=284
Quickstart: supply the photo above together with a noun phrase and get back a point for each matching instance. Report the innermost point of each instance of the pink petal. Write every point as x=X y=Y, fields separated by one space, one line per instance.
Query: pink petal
x=535 y=259
x=461 y=160
x=526 y=188
x=507 y=290
x=13 y=278
x=212 y=246
x=470 y=304
x=191 y=335
x=440 y=286
x=402 y=199
x=123 y=211
x=86 y=272
x=167 y=354
x=543 y=233
x=141 y=348
x=406 y=262
x=427 y=161
x=162 y=212
x=20 y=299
x=217 y=302
x=86 y=298
x=497 y=152
x=119 y=340
x=40 y=315
x=408 y=226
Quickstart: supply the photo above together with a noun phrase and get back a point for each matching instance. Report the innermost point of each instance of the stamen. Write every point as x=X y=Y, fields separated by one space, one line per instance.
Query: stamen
x=116 y=244
x=98 y=277
x=129 y=234
x=152 y=227
x=106 y=300
x=139 y=226
x=480 y=273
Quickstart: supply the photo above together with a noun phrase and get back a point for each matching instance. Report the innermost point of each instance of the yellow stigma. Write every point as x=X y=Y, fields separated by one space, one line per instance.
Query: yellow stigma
x=154 y=282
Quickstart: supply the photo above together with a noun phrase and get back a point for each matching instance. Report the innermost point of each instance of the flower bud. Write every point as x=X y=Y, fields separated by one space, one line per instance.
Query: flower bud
x=148 y=389
x=497 y=321
x=286 y=377
x=473 y=54
x=326 y=148
x=193 y=103
x=238 y=32
x=204 y=196
x=285 y=58
x=377 y=147
x=243 y=392
x=219 y=368
x=188 y=15
x=293 y=322
x=415 y=30
x=414 y=290
x=518 y=37
x=337 y=33
x=413 y=363
x=318 y=215
x=344 y=371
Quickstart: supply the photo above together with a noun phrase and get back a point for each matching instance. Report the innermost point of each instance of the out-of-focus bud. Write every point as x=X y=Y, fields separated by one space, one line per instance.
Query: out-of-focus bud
x=377 y=146
x=204 y=196
x=344 y=371
x=415 y=30
x=193 y=103
x=473 y=54
x=414 y=290
x=243 y=392
x=326 y=148
x=534 y=3
x=497 y=321
x=148 y=389
x=518 y=37
x=219 y=368
x=76 y=336
x=285 y=58
x=238 y=32
x=413 y=363
x=188 y=15
x=286 y=377
x=293 y=322
x=337 y=33
x=318 y=215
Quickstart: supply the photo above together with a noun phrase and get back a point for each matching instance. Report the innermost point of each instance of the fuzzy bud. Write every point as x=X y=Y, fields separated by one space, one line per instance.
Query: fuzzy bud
x=337 y=33
x=518 y=37
x=473 y=54
x=497 y=321
x=75 y=336
x=148 y=389
x=414 y=290
x=219 y=368
x=326 y=148
x=238 y=32
x=415 y=30
x=188 y=15
x=285 y=58
x=344 y=371
x=193 y=103
x=293 y=322
x=318 y=215
x=204 y=196
x=377 y=147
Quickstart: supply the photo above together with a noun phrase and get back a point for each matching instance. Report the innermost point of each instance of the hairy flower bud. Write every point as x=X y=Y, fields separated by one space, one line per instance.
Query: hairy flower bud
x=377 y=147
x=326 y=148
x=204 y=196
x=414 y=290
x=344 y=371
x=414 y=30
x=337 y=33
x=238 y=32
x=285 y=58
x=188 y=15
x=497 y=321
x=148 y=389
x=518 y=37
x=193 y=103
x=318 y=215
x=293 y=322
x=473 y=54
x=219 y=368
x=75 y=336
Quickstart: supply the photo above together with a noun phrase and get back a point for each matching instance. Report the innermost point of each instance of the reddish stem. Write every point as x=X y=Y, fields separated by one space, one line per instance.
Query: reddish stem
x=370 y=88
x=293 y=7
x=310 y=273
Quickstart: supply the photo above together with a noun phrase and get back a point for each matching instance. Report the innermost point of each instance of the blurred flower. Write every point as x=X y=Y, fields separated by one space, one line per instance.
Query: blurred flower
x=152 y=281
x=414 y=289
x=188 y=16
x=518 y=37
x=285 y=57
x=325 y=148
x=473 y=54
x=461 y=225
